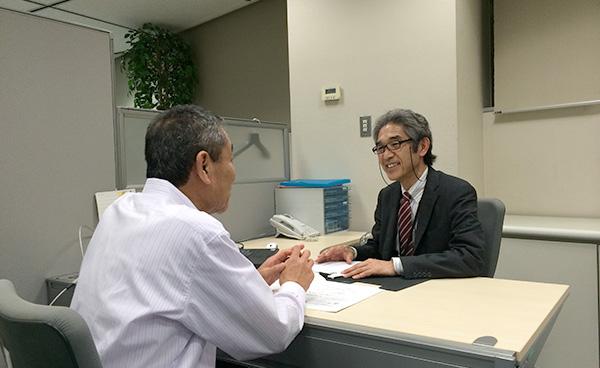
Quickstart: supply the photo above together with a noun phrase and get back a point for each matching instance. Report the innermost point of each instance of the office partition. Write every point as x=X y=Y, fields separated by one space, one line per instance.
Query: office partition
x=261 y=158
x=56 y=145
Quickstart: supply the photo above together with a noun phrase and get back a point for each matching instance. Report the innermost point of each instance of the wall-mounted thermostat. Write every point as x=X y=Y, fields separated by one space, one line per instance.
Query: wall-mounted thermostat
x=331 y=93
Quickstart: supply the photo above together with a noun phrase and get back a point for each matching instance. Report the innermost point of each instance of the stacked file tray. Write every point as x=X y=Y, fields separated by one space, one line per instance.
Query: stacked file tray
x=321 y=204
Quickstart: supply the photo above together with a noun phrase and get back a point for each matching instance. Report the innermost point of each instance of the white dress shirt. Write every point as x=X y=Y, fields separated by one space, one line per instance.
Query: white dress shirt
x=162 y=285
x=416 y=192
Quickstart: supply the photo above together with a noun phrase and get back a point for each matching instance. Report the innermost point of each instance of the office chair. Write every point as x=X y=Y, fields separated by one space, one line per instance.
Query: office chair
x=491 y=216
x=37 y=336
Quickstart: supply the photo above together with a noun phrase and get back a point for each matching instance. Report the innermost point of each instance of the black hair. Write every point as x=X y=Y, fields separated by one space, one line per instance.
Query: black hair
x=415 y=125
x=175 y=137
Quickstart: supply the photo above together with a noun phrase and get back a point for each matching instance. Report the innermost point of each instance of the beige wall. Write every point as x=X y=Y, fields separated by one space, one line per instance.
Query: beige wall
x=546 y=52
x=470 y=90
x=381 y=64
x=546 y=162
x=395 y=54
x=242 y=61
x=428 y=62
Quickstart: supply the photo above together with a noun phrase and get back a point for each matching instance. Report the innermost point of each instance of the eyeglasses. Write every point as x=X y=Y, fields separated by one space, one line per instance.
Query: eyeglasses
x=392 y=146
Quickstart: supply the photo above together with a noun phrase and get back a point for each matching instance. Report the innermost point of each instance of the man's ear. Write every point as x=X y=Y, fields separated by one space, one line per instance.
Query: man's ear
x=203 y=167
x=424 y=145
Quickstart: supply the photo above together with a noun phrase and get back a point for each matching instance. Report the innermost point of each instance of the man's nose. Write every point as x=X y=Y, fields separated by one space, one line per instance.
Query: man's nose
x=387 y=152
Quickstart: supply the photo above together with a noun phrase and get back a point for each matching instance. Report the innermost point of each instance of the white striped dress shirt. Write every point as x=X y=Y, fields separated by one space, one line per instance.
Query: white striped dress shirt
x=162 y=285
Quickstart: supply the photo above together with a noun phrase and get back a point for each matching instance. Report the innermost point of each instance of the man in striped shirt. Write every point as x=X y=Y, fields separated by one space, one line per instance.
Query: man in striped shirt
x=162 y=284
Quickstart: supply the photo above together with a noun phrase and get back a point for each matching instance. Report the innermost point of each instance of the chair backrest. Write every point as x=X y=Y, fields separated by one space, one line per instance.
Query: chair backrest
x=491 y=215
x=42 y=336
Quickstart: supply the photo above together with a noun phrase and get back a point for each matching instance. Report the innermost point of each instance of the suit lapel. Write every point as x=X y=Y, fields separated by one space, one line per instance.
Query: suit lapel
x=430 y=196
x=395 y=196
x=392 y=229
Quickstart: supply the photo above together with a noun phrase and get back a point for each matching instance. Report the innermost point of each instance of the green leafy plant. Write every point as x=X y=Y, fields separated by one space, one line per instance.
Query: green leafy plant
x=159 y=68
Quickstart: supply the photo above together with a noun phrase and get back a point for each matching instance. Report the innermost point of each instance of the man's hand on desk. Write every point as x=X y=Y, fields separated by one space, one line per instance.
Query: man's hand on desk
x=274 y=265
x=336 y=253
x=298 y=268
x=370 y=267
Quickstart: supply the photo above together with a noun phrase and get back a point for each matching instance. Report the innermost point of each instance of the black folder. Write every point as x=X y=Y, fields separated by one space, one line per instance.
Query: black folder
x=257 y=256
x=392 y=283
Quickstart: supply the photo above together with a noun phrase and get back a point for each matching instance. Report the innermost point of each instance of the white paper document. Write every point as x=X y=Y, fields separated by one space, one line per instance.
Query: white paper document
x=332 y=267
x=331 y=296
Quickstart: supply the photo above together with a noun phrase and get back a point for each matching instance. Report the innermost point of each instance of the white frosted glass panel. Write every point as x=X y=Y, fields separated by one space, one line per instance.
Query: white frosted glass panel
x=131 y=135
x=135 y=163
x=260 y=149
x=259 y=153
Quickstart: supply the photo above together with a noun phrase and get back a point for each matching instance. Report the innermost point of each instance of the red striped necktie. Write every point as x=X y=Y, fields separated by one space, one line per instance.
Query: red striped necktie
x=405 y=227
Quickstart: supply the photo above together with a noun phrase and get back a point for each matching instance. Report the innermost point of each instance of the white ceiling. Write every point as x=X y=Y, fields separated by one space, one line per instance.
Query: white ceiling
x=118 y=16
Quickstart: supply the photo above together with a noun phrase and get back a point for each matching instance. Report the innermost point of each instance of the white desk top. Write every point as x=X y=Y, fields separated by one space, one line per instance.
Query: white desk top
x=456 y=311
x=586 y=230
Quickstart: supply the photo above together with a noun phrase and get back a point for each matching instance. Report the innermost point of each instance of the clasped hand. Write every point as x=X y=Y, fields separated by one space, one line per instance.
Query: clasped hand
x=292 y=264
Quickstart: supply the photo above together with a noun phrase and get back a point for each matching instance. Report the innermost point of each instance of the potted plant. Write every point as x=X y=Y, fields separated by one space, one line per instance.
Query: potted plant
x=159 y=68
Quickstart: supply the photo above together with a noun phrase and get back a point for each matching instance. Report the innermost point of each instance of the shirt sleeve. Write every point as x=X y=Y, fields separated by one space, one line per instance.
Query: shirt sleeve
x=398 y=265
x=230 y=305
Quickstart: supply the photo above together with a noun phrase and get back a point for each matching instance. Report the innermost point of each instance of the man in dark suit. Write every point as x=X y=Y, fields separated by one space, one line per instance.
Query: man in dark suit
x=426 y=223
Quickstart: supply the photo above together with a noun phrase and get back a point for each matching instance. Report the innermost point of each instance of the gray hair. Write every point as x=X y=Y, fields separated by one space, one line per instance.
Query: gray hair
x=415 y=125
x=175 y=137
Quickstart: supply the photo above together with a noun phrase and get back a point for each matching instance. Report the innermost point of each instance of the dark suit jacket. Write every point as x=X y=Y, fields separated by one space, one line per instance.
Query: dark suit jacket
x=448 y=238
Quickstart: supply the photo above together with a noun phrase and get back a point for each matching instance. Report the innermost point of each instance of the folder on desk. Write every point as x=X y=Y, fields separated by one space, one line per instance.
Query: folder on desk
x=257 y=256
x=392 y=283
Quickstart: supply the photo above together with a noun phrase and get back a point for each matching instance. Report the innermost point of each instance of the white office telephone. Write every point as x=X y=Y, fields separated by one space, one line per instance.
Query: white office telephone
x=293 y=228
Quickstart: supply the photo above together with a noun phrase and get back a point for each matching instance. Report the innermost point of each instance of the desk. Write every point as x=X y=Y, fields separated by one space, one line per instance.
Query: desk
x=432 y=324
x=345 y=237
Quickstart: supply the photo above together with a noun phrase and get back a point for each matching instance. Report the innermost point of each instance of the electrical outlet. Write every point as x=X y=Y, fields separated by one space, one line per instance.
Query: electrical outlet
x=365 y=126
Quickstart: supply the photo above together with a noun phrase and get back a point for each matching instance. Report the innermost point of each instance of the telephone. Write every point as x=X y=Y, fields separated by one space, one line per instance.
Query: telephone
x=293 y=228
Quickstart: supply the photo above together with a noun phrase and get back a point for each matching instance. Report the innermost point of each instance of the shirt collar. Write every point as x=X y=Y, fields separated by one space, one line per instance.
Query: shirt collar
x=419 y=185
x=165 y=188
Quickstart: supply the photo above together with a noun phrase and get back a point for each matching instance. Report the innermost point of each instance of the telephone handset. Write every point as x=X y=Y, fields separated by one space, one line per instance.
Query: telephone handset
x=293 y=228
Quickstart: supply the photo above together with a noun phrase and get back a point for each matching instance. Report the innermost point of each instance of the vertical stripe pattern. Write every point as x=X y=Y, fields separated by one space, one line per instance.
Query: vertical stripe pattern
x=163 y=285
x=405 y=226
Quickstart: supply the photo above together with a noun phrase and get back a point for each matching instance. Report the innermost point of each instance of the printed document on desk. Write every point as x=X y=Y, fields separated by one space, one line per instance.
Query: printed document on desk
x=328 y=296
x=331 y=296
x=332 y=267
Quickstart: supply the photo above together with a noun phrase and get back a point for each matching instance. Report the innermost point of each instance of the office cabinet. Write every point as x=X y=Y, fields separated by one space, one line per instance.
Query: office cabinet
x=324 y=209
x=574 y=341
